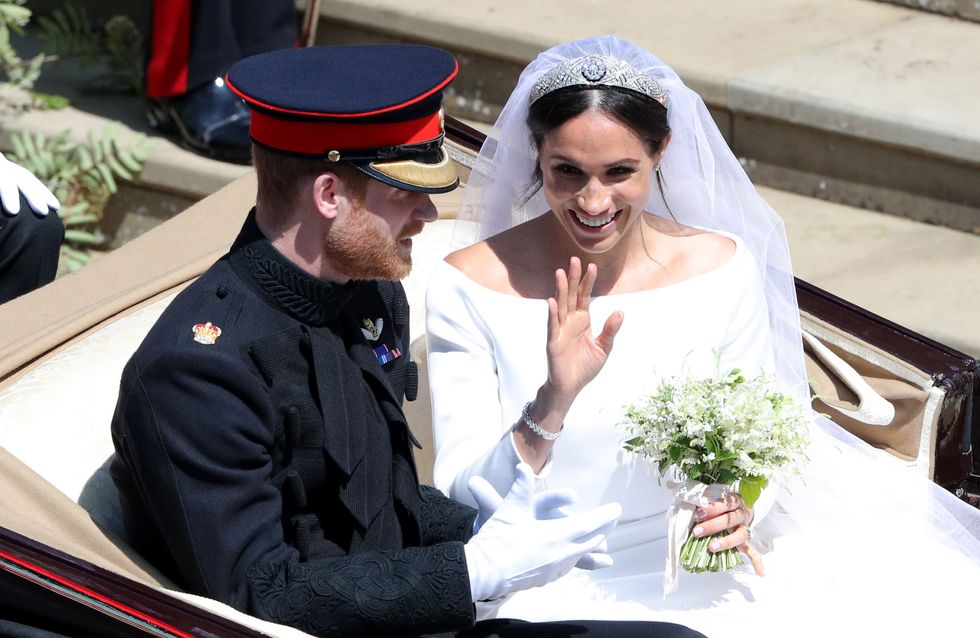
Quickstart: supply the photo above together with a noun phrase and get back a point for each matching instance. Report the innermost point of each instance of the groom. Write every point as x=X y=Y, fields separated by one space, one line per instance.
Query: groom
x=263 y=457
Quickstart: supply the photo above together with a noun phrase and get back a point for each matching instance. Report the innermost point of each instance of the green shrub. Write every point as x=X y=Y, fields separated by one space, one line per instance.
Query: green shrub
x=82 y=175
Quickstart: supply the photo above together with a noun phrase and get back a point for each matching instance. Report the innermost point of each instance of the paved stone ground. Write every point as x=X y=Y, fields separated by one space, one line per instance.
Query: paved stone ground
x=922 y=276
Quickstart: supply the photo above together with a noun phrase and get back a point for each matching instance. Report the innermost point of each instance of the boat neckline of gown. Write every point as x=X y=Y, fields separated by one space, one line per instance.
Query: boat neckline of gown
x=719 y=269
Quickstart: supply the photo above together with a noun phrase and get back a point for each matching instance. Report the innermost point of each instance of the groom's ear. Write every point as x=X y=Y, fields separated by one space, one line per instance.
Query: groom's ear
x=327 y=191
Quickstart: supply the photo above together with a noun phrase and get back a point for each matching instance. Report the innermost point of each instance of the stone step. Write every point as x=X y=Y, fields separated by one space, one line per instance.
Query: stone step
x=853 y=101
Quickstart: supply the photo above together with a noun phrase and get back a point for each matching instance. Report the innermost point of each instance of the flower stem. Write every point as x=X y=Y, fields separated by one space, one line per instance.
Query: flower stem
x=696 y=558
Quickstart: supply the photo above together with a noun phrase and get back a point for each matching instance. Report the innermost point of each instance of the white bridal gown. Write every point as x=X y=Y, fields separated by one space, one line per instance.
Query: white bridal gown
x=487 y=358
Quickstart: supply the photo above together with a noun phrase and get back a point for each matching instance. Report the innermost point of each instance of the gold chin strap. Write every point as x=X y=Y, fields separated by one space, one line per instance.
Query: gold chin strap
x=438 y=175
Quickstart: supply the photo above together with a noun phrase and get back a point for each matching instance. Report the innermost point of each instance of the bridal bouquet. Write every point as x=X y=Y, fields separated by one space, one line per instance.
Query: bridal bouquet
x=710 y=437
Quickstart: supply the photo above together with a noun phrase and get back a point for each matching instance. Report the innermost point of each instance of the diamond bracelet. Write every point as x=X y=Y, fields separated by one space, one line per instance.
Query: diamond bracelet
x=537 y=429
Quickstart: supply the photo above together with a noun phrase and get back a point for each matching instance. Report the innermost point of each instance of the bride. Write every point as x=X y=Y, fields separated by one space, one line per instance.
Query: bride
x=606 y=191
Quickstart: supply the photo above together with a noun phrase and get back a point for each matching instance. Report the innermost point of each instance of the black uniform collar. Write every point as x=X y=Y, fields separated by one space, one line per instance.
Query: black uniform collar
x=281 y=283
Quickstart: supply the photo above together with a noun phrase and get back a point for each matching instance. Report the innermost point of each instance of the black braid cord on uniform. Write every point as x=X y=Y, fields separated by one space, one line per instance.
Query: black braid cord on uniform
x=309 y=300
x=442 y=518
x=402 y=593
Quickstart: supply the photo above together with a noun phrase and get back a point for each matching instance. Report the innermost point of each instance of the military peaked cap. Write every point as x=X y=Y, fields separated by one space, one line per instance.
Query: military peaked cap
x=375 y=107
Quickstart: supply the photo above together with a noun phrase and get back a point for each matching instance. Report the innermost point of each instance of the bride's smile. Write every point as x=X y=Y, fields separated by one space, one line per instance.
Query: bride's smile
x=596 y=178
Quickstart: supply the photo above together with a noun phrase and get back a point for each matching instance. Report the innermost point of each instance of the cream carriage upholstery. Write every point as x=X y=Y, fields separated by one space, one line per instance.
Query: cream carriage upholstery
x=886 y=401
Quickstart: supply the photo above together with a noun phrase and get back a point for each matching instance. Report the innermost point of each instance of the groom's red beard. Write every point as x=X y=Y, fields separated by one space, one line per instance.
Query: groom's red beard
x=361 y=250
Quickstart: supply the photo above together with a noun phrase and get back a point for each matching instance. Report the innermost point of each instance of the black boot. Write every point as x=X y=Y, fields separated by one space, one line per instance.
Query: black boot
x=209 y=119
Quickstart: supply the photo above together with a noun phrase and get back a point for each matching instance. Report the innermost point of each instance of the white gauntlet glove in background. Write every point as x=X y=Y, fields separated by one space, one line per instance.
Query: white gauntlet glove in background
x=14 y=178
x=530 y=539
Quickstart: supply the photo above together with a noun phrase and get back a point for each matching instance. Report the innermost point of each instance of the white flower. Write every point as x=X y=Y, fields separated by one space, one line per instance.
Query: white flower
x=724 y=426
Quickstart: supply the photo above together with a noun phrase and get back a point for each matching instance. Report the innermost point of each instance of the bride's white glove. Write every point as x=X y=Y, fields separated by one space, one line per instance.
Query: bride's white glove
x=16 y=180
x=529 y=541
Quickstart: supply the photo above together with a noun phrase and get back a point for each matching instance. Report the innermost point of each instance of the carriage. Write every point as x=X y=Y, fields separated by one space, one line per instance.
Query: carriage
x=65 y=566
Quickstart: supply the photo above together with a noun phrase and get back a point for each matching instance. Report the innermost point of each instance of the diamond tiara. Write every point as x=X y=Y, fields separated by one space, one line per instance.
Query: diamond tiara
x=596 y=70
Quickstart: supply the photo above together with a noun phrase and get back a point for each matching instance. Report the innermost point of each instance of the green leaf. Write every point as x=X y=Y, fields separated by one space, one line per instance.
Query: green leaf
x=78 y=218
x=19 y=150
x=726 y=477
x=93 y=145
x=22 y=74
x=50 y=100
x=118 y=168
x=47 y=25
x=107 y=177
x=81 y=207
x=14 y=15
x=92 y=180
x=80 y=237
x=30 y=150
x=84 y=158
x=72 y=251
x=61 y=17
x=74 y=258
x=711 y=443
x=105 y=142
x=130 y=162
x=750 y=488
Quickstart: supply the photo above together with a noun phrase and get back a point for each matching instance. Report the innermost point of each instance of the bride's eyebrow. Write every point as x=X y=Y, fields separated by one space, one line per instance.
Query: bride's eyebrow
x=562 y=158
x=625 y=161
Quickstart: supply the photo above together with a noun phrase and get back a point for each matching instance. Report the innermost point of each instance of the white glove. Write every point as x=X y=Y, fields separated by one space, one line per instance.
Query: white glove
x=515 y=549
x=546 y=505
x=14 y=178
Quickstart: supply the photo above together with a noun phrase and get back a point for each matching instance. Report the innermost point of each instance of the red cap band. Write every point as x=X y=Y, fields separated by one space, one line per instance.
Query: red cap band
x=318 y=138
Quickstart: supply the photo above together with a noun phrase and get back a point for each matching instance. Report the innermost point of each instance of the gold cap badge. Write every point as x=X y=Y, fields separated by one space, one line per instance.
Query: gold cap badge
x=206 y=333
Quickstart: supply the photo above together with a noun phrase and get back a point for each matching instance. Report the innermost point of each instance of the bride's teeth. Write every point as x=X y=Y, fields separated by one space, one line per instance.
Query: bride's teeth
x=594 y=223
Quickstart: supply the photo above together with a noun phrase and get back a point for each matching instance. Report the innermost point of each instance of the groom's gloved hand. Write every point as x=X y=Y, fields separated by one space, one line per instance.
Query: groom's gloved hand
x=531 y=540
x=15 y=181
x=546 y=505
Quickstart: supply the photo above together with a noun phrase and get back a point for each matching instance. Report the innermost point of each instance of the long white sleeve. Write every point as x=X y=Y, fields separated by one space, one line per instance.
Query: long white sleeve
x=471 y=437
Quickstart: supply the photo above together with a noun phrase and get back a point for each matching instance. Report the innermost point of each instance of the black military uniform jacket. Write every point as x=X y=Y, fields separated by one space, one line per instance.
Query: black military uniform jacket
x=269 y=465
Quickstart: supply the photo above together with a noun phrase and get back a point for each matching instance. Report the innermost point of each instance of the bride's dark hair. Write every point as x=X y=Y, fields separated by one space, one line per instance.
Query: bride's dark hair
x=643 y=115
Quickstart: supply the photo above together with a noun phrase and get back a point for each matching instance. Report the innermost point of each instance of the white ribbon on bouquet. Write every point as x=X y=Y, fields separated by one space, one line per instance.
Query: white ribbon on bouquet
x=688 y=496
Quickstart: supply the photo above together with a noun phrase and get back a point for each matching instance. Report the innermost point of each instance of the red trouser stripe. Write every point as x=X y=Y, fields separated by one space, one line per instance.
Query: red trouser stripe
x=166 y=74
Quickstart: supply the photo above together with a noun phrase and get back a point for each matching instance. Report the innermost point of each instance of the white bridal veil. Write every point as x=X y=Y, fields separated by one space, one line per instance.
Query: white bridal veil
x=847 y=490
x=703 y=185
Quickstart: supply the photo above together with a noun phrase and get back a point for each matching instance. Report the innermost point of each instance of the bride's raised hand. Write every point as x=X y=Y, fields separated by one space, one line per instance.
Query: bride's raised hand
x=575 y=357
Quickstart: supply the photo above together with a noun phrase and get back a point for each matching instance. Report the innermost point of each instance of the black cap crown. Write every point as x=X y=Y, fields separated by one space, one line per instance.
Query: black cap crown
x=377 y=107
